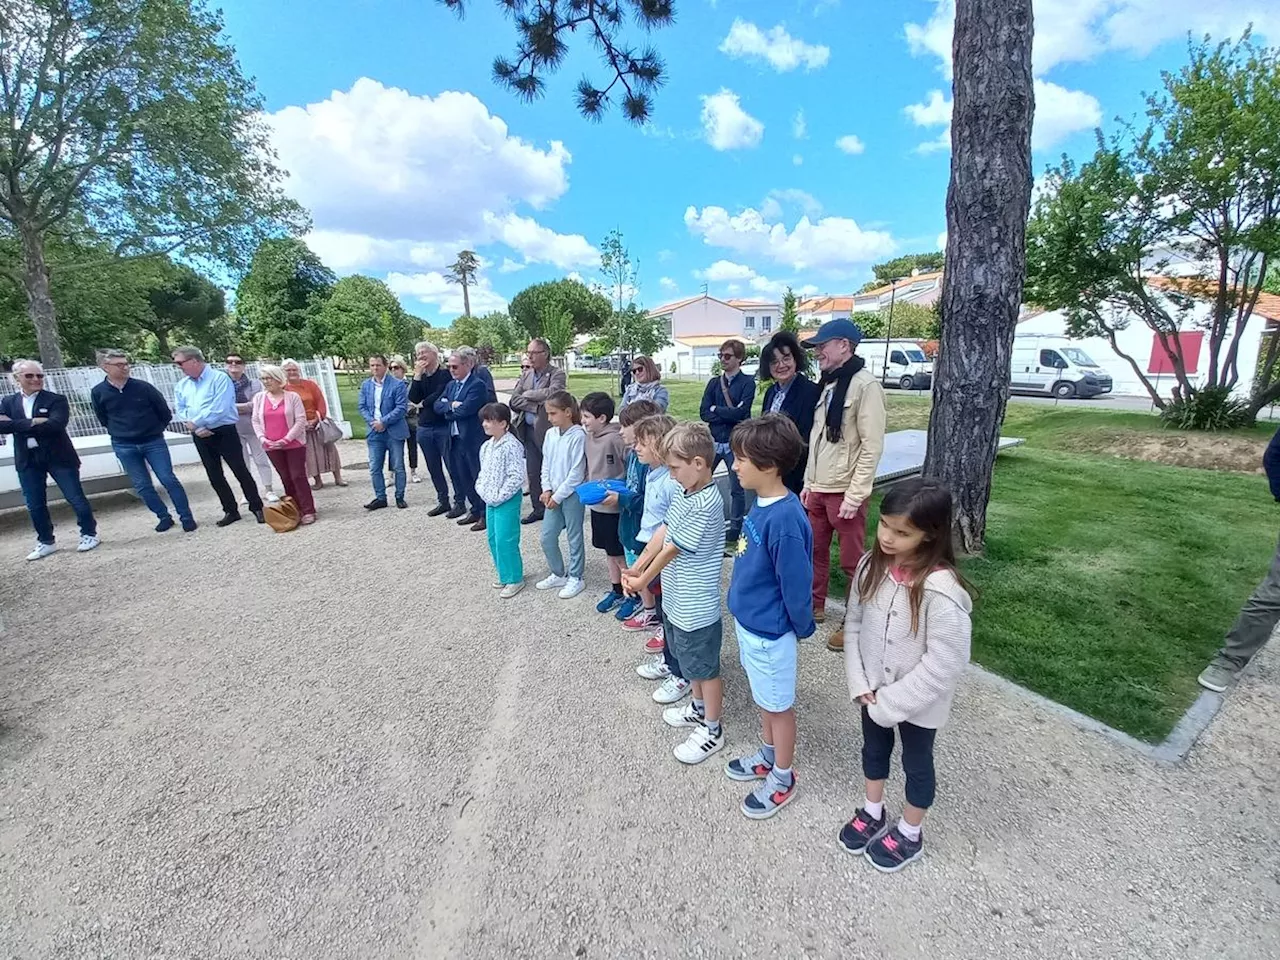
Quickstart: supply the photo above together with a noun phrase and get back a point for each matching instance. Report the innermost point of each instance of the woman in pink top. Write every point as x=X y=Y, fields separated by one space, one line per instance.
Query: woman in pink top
x=280 y=421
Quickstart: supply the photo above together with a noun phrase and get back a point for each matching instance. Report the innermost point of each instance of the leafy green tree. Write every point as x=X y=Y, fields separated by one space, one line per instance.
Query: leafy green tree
x=463 y=272
x=185 y=302
x=557 y=329
x=279 y=300
x=1111 y=239
x=910 y=322
x=499 y=332
x=900 y=267
x=362 y=317
x=789 y=322
x=130 y=117
x=590 y=310
x=464 y=331
x=632 y=330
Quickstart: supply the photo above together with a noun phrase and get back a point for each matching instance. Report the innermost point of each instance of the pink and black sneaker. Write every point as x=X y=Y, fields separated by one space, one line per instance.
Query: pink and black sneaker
x=893 y=850
x=861 y=830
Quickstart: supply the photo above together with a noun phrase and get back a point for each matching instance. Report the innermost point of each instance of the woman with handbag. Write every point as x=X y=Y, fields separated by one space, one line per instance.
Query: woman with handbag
x=280 y=421
x=322 y=433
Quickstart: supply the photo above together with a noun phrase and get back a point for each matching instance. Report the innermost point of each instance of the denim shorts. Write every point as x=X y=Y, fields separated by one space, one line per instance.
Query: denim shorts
x=771 y=668
x=697 y=650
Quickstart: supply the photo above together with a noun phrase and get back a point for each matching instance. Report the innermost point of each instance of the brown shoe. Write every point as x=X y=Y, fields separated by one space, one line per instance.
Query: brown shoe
x=819 y=615
x=835 y=642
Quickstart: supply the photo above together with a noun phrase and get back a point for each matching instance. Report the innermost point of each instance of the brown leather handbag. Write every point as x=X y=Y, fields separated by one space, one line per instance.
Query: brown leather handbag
x=282 y=516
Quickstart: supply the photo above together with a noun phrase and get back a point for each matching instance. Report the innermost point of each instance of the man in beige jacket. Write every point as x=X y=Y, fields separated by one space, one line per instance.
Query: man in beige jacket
x=844 y=450
x=528 y=403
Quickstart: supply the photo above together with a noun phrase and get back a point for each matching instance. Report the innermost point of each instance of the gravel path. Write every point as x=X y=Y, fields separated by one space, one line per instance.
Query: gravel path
x=339 y=744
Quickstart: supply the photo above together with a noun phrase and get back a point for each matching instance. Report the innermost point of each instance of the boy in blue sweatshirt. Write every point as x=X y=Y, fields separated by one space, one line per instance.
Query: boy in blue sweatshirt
x=771 y=602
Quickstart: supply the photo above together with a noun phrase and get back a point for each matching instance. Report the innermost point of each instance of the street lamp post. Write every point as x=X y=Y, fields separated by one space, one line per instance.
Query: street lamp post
x=888 y=330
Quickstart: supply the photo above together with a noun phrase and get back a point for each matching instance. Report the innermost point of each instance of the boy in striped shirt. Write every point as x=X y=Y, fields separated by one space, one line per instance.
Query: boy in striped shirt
x=688 y=552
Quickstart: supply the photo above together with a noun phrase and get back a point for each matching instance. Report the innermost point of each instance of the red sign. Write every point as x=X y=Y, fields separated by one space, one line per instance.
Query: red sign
x=1190 y=342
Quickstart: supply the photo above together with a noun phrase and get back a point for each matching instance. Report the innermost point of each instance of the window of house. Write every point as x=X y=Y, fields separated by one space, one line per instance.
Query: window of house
x=766 y=324
x=751 y=323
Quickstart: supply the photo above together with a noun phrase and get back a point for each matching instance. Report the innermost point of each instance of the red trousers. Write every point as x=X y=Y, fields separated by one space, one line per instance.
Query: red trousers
x=292 y=467
x=824 y=516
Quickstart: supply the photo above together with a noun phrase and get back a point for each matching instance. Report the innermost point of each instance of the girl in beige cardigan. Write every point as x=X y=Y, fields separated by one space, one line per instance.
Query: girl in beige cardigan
x=906 y=645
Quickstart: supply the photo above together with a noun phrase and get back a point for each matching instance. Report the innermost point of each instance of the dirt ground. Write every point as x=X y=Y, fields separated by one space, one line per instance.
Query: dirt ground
x=1205 y=451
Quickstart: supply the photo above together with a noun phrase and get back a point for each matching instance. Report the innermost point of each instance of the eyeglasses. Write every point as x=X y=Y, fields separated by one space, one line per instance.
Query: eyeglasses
x=637 y=369
x=396 y=366
x=728 y=356
x=455 y=366
x=537 y=350
x=234 y=363
x=526 y=366
x=33 y=376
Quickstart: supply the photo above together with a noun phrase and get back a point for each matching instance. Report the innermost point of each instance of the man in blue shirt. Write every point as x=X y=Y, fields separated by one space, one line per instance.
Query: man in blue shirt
x=384 y=404
x=726 y=402
x=135 y=414
x=206 y=401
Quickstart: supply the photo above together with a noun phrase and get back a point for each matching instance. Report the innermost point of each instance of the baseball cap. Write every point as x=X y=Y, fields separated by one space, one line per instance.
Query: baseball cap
x=836 y=330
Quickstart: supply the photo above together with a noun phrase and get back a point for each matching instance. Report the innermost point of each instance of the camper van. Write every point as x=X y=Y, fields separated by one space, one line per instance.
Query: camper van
x=908 y=367
x=1054 y=367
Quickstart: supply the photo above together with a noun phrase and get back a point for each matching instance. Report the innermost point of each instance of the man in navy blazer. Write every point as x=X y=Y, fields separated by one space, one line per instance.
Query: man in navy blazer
x=460 y=407
x=384 y=403
x=42 y=448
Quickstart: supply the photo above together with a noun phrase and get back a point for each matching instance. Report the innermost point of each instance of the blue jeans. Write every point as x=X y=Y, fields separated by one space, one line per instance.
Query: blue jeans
x=434 y=441
x=36 y=494
x=136 y=458
x=737 y=496
x=567 y=517
x=380 y=447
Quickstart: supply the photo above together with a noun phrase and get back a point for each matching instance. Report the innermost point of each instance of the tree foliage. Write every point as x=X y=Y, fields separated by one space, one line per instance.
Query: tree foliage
x=900 y=267
x=129 y=118
x=186 y=304
x=362 y=317
x=589 y=311
x=632 y=330
x=789 y=323
x=279 y=299
x=910 y=321
x=498 y=332
x=1174 y=225
x=542 y=27
x=557 y=329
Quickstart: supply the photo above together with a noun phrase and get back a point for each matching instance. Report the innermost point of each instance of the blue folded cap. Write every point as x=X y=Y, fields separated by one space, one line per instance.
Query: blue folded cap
x=594 y=491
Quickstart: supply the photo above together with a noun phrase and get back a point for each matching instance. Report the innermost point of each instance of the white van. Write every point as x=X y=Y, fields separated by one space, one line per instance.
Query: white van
x=907 y=365
x=1054 y=367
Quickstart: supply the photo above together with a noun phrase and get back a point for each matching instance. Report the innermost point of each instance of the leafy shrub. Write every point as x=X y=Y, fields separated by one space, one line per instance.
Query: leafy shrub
x=1213 y=408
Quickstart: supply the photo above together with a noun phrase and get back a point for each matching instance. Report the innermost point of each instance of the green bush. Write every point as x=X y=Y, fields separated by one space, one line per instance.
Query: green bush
x=1213 y=408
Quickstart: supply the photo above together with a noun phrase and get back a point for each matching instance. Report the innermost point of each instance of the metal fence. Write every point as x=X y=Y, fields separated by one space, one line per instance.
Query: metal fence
x=75 y=383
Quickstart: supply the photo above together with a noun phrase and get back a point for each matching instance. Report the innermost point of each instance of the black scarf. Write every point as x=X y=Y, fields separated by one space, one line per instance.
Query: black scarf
x=835 y=409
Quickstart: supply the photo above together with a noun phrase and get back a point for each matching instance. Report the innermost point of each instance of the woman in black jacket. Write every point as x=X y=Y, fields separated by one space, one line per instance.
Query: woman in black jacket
x=786 y=364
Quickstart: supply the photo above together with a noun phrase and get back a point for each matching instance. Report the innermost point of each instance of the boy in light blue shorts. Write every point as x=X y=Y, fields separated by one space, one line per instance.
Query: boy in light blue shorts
x=770 y=597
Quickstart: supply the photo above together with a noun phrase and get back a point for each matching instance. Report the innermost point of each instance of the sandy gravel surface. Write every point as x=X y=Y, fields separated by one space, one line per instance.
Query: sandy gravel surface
x=340 y=743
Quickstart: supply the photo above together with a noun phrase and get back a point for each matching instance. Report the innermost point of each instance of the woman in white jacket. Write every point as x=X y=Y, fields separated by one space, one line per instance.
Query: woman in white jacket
x=564 y=466
x=500 y=485
x=906 y=644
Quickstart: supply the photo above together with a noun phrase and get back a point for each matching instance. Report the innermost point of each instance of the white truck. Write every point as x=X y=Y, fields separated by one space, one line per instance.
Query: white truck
x=1054 y=367
x=900 y=363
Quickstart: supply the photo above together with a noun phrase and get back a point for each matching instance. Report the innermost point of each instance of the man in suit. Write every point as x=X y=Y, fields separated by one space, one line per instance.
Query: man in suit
x=460 y=407
x=42 y=448
x=430 y=380
x=528 y=401
x=490 y=391
x=384 y=404
x=206 y=402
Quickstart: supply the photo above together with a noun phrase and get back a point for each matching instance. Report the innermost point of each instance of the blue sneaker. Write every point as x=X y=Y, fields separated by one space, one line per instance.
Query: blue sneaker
x=628 y=607
x=608 y=602
x=768 y=798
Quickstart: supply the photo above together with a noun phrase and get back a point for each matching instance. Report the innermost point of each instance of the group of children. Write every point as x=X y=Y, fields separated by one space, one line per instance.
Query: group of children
x=659 y=518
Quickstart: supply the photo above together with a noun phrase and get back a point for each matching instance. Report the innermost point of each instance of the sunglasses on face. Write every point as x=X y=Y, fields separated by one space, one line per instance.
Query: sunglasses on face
x=33 y=376
x=728 y=356
x=637 y=369
x=525 y=366
x=396 y=366
x=455 y=366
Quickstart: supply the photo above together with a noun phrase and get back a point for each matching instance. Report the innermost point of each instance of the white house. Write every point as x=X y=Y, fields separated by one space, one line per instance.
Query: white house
x=696 y=326
x=1139 y=341
x=760 y=318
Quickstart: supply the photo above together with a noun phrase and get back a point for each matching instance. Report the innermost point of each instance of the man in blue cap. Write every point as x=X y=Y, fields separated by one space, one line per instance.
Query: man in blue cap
x=844 y=450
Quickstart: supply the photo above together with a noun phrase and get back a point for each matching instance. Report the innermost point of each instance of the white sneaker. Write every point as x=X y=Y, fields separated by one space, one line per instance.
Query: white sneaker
x=497 y=584
x=573 y=586
x=655 y=669
x=700 y=744
x=685 y=716
x=673 y=690
x=511 y=589
x=270 y=497
x=86 y=544
x=414 y=478
x=41 y=551
x=551 y=582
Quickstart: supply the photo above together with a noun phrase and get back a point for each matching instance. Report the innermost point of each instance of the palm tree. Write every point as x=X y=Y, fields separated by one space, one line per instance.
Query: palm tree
x=463 y=272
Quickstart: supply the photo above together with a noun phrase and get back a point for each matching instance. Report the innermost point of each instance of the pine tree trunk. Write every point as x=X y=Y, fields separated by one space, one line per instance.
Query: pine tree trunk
x=987 y=206
x=35 y=282
x=466 y=298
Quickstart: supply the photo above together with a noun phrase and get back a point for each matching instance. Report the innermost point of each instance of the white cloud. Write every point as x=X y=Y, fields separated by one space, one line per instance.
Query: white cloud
x=799 y=128
x=775 y=46
x=777 y=201
x=1059 y=114
x=942 y=240
x=436 y=289
x=830 y=243
x=725 y=125
x=510 y=266
x=724 y=271
x=397 y=180
x=797 y=160
x=850 y=144
x=668 y=284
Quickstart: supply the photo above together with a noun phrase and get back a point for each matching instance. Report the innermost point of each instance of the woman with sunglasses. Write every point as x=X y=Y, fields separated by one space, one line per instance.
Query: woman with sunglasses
x=646 y=384
x=398 y=370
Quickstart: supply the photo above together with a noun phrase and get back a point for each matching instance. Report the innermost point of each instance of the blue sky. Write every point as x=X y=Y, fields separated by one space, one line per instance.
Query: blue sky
x=795 y=141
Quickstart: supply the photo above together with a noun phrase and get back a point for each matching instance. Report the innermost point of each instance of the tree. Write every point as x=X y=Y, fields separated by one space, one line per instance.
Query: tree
x=497 y=331
x=590 y=310
x=631 y=330
x=463 y=272
x=362 y=317
x=910 y=322
x=542 y=48
x=987 y=204
x=1200 y=185
x=464 y=331
x=789 y=322
x=557 y=329
x=900 y=267
x=130 y=117
x=279 y=299
x=183 y=301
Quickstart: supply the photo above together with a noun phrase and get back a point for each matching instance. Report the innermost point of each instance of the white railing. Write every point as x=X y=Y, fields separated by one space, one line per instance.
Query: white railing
x=75 y=383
